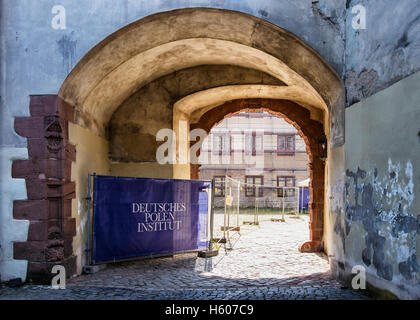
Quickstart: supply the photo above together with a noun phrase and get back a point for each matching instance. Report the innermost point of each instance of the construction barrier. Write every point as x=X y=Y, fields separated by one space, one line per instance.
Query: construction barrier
x=138 y=217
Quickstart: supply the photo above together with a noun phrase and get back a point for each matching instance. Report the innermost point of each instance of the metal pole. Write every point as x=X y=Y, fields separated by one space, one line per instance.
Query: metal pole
x=228 y=213
x=93 y=216
x=256 y=205
x=224 y=215
x=211 y=216
x=297 y=209
x=239 y=194
x=301 y=201
x=88 y=198
x=284 y=196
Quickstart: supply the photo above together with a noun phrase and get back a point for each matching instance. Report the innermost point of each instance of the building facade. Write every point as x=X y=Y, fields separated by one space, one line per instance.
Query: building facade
x=257 y=149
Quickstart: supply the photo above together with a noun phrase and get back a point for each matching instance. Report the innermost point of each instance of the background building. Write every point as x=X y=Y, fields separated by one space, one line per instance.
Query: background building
x=256 y=148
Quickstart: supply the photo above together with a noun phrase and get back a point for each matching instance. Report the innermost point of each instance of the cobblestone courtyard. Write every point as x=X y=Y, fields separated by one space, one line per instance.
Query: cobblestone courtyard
x=264 y=264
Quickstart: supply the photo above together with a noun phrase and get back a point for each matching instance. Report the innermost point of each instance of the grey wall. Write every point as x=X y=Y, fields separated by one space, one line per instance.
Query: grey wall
x=381 y=226
x=387 y=51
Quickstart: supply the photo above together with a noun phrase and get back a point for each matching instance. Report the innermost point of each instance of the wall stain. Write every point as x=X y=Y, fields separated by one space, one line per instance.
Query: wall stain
x=384 y=209
x=67 y=49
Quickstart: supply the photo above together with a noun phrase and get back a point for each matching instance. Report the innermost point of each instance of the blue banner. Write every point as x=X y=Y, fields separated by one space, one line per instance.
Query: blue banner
x=135 y=217
x=304 y=199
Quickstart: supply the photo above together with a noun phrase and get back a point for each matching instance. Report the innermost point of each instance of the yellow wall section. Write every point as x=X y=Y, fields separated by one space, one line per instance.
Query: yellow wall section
x=91 y=156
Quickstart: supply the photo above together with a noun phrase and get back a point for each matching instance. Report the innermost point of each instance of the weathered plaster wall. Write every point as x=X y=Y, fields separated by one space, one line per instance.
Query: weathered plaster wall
x=11 y=230
x=386 y=51
x=379 y=225
x=91 y=157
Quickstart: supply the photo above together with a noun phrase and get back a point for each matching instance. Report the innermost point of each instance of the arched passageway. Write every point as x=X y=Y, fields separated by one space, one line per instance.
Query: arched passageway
x=310 y=130
x=192 y=65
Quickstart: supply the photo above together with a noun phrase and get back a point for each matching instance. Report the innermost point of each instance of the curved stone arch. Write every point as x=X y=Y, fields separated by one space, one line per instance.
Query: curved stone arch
x=113 y=65
x=198 y=103
x=309 y=129
x=195 y=102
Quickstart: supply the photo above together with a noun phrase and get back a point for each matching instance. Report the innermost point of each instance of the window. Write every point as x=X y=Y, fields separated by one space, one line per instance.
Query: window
x=285 y=144
x=226 y=144
x=219 y=186
x=251 y=183
x=217 y=144
x=290 y=143
x=221 y=144
x=254 y=143
x=258 y=144
x=285 y=181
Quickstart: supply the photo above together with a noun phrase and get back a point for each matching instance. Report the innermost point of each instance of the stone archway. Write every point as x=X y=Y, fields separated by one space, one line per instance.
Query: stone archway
x=310 y=130
x=138 y=55
x=170 y=41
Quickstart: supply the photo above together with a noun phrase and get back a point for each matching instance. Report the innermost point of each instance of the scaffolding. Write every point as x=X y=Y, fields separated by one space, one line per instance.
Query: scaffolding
x=244 y=204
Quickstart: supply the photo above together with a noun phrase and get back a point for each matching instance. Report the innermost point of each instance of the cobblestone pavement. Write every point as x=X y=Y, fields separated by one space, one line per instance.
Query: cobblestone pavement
x=264 y=264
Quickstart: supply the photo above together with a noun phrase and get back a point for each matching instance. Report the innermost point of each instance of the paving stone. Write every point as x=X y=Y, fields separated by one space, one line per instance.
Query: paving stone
x=264 y=264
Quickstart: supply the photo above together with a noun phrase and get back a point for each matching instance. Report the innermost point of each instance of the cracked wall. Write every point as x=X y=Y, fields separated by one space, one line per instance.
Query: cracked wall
x=386 y=51
x=382 y=197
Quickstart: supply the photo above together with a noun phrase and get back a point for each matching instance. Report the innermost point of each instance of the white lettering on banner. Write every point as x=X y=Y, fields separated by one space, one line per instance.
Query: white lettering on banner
x=158 y=216
x=159 y=226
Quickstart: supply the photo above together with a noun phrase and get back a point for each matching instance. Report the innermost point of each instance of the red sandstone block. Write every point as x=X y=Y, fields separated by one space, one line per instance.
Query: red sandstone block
x=318 y=167
x=30 y=250
x=68 y=247
x=36 y=189
x=316 y=235
x=38 y=149
x=318 y=194
x=66 y=170
x=316 y=184
x=46 y=230
x=54 y=189
x=30 y=209
x=38 y=231
x=67 y=209
x=40 y=272
x=54 y=253
x=32 y=127
x=43 y=105
x=54 y=169
x=39 y=189
x=70 y=152
x=54 y=208
x=43 y=169
x=69 y=190
x=69 y=228
x=26 y=168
